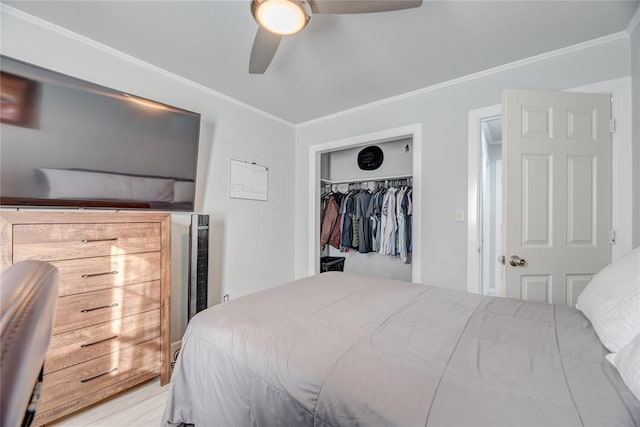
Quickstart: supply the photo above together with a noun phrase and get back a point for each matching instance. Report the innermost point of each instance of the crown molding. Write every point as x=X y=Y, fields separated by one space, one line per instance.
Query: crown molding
x=133 y=60
x=150 y=67
x=635 y=20
x=471 y=77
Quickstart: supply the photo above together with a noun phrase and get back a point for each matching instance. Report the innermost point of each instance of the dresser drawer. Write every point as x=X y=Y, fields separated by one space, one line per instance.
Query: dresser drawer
x=92 y=274
x=70 y=348
x=69 y=384
x=90 y=308
x=49 y=242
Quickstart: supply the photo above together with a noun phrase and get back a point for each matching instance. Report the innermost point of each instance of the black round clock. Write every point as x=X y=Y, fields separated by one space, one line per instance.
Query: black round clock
x=370 y=158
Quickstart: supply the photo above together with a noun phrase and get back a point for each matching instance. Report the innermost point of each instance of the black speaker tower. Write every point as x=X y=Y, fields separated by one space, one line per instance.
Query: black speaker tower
x=198 y=263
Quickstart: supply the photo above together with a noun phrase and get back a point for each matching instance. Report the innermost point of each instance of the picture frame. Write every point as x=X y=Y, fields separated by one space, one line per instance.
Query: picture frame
x=17 y=100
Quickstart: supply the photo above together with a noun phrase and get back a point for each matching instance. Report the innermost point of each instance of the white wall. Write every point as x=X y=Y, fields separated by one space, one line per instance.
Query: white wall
x=443 y=114
x=252 y=242
x=635 y=76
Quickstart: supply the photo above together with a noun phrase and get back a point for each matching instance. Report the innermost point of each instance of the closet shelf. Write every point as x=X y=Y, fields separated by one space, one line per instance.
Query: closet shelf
x=350 y=181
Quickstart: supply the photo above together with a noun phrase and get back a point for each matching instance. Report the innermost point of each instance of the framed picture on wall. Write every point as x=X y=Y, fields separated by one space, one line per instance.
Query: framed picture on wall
x=17 y=100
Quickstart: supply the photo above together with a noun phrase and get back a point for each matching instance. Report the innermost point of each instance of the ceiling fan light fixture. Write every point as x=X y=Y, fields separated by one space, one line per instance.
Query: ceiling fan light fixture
x=283 y=17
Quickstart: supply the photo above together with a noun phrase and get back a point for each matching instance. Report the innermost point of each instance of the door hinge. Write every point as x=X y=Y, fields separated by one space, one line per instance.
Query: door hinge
x=612 y=125
x=612 y=237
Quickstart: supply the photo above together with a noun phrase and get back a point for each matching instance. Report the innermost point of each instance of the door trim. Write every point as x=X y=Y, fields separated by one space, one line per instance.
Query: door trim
x=473 y=201
x=411 y=131
x=621 y=173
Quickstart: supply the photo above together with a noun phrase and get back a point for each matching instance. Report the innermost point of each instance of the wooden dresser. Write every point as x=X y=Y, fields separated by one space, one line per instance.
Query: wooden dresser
x=111 y=328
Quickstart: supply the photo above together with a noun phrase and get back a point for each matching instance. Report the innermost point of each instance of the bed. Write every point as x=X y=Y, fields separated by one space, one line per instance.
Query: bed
x=337 y=349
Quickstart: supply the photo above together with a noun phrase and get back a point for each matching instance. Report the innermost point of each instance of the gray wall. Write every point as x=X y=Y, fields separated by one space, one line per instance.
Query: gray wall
x=443 y=115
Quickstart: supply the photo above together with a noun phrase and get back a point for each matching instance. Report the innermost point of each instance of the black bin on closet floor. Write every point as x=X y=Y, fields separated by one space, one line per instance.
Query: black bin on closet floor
x=331 y=263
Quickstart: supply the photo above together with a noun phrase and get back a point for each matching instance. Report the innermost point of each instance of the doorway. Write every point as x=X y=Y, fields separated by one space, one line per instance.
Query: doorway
x=621 y=167
x=414 y=132
x=490 y=201
x=477 y=261
x=342 y=177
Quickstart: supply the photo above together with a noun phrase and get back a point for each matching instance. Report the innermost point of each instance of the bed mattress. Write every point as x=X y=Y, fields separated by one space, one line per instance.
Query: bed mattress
x=344 y=350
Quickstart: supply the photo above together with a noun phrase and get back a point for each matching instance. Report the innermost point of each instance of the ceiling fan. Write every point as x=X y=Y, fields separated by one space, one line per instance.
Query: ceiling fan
x=279 y=18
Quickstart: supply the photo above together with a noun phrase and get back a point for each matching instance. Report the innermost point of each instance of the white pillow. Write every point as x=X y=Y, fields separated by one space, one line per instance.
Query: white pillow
x=611 y=301
x=627 y=362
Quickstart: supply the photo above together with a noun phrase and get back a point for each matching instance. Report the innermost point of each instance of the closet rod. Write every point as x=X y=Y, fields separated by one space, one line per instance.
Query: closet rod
x=352 y=181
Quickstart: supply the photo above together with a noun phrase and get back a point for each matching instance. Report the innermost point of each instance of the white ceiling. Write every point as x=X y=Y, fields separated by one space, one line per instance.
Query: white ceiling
x=339 y=61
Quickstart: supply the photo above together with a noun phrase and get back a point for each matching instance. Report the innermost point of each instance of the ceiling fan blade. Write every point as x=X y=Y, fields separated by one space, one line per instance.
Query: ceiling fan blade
x=361 y=6
x=264 y=48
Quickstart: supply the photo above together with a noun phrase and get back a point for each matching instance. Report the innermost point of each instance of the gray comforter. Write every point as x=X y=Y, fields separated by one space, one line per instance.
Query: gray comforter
x=344 y=350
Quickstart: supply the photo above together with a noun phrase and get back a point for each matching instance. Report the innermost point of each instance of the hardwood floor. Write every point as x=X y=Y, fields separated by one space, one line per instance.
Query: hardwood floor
x=141 y=407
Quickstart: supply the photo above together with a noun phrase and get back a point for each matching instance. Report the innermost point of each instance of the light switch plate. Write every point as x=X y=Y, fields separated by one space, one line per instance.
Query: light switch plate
x=459 y=215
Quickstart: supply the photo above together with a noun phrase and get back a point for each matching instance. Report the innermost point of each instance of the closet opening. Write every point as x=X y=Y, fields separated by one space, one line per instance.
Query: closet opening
x=315 y=188
x=366 y=200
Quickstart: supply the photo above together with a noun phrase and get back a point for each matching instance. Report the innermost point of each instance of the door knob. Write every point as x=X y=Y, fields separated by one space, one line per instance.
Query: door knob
x=516 y=261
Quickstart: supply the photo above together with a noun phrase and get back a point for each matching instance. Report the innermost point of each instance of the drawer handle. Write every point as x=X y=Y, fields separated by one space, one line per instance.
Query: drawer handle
x=113 y=239
x=86 y=380
x=98 y=342
x=84 y=276
x=86 y=310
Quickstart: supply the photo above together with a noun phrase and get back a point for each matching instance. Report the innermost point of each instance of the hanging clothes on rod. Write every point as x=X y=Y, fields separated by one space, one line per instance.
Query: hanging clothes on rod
x=370 y=216
x=330 y=219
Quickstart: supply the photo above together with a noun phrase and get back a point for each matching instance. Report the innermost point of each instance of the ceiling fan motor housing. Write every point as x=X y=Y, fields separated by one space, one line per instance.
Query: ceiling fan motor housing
x=300 y=5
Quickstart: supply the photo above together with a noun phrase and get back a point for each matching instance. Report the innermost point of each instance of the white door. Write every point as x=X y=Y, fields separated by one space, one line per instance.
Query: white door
x=557 y=187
